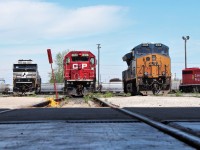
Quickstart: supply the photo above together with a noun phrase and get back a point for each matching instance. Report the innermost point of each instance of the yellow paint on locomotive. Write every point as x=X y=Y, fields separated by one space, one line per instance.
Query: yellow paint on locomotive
x=154 y=65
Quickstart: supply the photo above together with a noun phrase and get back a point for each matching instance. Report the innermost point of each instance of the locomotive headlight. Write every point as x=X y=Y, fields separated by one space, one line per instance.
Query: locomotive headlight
x=146 y=73
x=163 y=73
x=92 y=68
x=153 y=57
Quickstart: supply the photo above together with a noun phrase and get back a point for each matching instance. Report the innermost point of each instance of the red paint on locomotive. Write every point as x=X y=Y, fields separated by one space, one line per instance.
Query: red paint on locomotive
x=191 y=76
x=79 y=72
x=190 y=80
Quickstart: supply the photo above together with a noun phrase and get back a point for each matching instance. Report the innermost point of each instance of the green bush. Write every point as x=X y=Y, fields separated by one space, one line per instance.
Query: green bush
x=179 y=93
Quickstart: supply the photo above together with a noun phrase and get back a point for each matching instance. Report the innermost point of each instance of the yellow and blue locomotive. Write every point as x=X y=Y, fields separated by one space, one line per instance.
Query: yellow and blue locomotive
x=149 y=69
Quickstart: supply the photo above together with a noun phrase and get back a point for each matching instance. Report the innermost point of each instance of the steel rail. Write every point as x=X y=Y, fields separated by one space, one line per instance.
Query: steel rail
x=187 y=138
x=5 y=111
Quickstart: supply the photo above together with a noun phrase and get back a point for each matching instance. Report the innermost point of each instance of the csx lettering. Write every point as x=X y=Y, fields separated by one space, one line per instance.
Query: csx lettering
x=75 y=66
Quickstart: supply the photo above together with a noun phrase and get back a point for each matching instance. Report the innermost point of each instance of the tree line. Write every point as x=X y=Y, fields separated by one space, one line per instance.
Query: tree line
x=58 y=70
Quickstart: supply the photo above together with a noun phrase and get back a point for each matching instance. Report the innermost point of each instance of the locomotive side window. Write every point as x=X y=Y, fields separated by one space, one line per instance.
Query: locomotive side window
x=142 y=51
x=92 y=61
x=187 y=72
x=160 y=50
x=68 y=60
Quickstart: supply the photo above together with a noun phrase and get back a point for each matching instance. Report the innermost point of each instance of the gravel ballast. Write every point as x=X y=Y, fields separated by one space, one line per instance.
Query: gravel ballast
x=154 y=101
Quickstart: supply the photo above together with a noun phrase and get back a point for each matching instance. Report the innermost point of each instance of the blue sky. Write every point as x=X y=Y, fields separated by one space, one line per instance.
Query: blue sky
x=29 y=27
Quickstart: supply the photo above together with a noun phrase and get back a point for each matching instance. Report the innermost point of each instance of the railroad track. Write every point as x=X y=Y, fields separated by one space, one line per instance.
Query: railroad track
x=177 y=132
x=6 y=111
x=105 y=115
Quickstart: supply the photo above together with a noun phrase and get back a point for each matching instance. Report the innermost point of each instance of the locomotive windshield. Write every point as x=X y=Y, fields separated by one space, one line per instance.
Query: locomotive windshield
x=142 y=51
x=160 y=50
x=80 y=58
x=92 y=61
x=24 y=67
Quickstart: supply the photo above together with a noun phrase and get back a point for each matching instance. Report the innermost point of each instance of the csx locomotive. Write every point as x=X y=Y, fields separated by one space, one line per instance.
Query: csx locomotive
x=26 y=78
x=79 y=73
x=149 y=69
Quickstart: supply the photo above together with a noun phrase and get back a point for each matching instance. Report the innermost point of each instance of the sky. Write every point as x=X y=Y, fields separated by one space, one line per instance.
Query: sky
x=29 y=27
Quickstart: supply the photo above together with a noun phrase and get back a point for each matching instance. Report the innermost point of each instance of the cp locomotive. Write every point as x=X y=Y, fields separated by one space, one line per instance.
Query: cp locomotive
x=149 y=69
x=190 y=80
x=79 y=72
x=26 y=78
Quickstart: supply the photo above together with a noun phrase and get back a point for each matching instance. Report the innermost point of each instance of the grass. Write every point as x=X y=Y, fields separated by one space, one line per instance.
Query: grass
x=128 y=94
x=108 y=94
x=178 y=93
x=90 y=96
x=196 y=94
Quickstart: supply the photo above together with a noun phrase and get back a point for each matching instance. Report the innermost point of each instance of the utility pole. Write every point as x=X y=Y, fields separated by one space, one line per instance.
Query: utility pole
x=98 y=47
x=185 y=38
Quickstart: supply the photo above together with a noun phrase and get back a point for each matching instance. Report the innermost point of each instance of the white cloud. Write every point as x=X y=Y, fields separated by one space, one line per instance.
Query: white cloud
x=22 y=20
x=29 y=27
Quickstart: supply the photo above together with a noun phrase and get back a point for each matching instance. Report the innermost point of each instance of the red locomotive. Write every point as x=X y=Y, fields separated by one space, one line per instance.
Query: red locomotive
x=190 y=80
x=79 y=72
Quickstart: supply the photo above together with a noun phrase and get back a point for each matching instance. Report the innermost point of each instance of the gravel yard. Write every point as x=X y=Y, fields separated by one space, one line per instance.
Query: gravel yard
x=133 y=101
x=19 y=102
x=154 y=101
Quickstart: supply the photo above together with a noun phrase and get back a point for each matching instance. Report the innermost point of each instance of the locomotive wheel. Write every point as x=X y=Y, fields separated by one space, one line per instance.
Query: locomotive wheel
x=155 y=89
x=134 y=90
x=195 y=90
x=125 y=88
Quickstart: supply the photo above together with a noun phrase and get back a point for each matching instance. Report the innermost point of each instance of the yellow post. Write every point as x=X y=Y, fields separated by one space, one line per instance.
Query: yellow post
x=53 y=103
